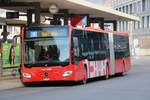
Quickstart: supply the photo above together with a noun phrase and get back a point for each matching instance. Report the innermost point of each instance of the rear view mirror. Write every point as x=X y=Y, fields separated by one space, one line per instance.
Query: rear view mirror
x=15 y=40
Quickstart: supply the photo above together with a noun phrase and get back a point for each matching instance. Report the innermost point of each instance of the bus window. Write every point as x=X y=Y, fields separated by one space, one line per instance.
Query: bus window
x=121 y=46
x=76 y=52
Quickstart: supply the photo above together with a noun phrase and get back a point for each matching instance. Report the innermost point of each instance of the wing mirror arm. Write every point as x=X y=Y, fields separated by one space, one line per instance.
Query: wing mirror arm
x=15 y=40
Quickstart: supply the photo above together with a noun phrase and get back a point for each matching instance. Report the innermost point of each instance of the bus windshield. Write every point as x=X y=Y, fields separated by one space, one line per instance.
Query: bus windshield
x=47 y=50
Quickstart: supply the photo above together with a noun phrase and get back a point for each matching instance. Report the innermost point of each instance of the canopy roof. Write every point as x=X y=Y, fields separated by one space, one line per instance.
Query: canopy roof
x=83 y=7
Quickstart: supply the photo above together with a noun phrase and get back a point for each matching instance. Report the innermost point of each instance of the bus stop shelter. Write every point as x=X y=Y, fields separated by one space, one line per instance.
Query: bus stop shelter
x=67 y=8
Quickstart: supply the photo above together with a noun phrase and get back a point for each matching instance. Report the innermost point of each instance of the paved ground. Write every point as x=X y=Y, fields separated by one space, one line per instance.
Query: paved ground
x=10 y=83
x=134 y=86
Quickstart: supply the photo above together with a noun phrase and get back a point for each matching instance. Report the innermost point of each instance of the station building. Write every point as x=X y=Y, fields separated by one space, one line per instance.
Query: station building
x=141 y=28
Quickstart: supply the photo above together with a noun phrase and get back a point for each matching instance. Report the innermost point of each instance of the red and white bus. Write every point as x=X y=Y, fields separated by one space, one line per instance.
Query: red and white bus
x=64 y=53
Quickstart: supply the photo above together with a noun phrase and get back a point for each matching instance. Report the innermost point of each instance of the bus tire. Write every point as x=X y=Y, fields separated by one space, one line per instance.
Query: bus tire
x=84 y=81
x=26 y=84
x=107 y=72
x=123 y=73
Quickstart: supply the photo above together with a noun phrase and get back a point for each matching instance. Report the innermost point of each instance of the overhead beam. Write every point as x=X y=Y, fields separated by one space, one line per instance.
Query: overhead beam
x=19 y=4
x=35 y=5
x=61 y=11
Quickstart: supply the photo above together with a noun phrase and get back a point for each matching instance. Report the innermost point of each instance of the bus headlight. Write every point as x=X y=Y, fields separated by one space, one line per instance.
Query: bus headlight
x=67 y=73
x=26 y=75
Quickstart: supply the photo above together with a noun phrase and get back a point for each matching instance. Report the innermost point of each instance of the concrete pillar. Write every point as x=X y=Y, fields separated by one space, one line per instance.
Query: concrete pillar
x=88 y=21
x=66 y=16
x=37 y=15
x=115 y=25
x=101 y=23
x=66 y=19
x=5 y=33
x=29 y=16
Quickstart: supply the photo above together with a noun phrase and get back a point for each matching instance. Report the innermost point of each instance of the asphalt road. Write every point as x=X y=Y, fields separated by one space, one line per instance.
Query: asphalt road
x=133 y=86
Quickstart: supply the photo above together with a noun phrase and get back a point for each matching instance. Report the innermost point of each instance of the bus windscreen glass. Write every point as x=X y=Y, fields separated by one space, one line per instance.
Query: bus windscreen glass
x=49 y=49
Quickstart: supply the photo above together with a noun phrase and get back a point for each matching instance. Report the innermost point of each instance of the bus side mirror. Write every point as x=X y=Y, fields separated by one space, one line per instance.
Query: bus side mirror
x=15 y=40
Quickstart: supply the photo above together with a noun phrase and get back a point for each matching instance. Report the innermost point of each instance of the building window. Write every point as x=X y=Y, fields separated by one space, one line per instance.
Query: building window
x=120 y=9
x=123 y=9
x=143 y=22
x=139 y=7
x=130 y=6
x=143 y=5
x=127 y=9
x=148 y=21
x=135 y=7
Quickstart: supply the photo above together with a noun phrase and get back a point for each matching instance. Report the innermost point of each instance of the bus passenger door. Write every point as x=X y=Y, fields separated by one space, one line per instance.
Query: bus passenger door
x=112 y=54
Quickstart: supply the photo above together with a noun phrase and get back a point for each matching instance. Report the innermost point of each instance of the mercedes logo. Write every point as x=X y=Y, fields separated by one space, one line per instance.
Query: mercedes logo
x=46 y=74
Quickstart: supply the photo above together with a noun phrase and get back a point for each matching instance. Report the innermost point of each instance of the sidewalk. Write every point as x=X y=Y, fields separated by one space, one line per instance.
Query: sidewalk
x=7 y=81
x=10 y=83
x=138 y=59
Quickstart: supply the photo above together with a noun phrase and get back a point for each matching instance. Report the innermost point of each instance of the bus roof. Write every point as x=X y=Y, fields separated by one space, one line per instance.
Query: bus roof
x=85 y=28
x=103 y=31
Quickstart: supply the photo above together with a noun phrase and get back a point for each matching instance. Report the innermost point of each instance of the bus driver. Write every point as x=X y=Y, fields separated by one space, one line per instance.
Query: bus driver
x=45 y=53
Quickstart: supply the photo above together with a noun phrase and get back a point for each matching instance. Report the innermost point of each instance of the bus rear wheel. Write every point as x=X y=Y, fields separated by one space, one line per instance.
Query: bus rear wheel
x=107 y=73
x=123 y=73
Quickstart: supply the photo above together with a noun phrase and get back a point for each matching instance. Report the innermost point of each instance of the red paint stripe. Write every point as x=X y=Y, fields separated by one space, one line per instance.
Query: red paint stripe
x=103 y=31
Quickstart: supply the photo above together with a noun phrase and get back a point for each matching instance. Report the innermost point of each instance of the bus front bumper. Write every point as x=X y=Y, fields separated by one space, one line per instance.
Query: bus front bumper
x=48 y=75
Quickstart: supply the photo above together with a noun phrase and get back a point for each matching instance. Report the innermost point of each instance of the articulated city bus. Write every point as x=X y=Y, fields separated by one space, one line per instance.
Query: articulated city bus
x=64 y=53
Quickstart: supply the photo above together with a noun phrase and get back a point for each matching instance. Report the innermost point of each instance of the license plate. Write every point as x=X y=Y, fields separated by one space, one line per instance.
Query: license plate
x=46 y=79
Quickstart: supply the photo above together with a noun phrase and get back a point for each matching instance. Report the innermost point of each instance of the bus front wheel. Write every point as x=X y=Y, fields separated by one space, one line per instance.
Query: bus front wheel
x=107 y=72
x=84 y=81
x=26 y=84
